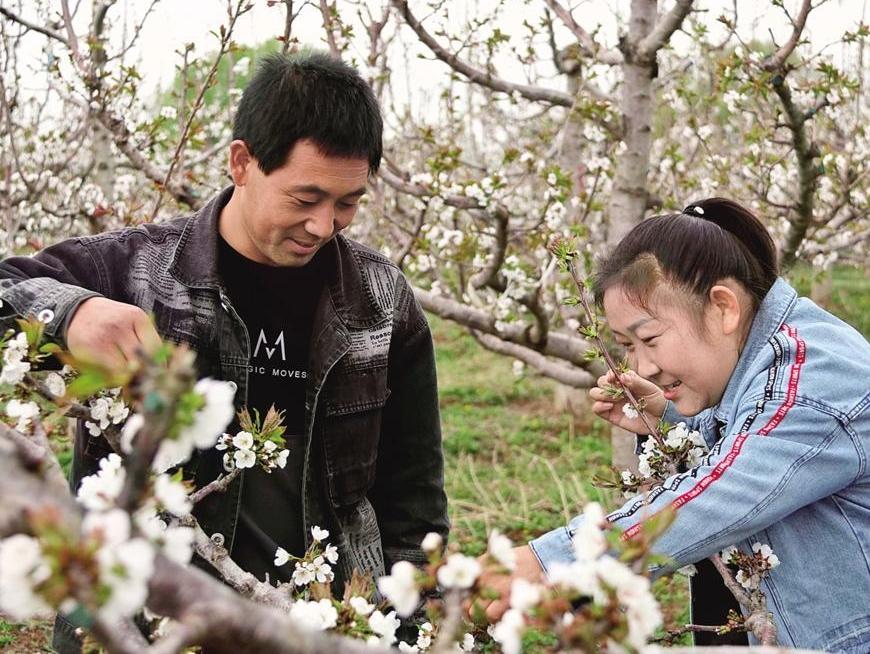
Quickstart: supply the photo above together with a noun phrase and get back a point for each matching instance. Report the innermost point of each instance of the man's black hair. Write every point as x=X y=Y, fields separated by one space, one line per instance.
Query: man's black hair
x=308 y=95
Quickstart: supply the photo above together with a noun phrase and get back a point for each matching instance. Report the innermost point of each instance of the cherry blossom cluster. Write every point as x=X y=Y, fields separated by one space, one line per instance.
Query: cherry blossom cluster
x=316 y=565
x=245 y=450
x=751 y=567
x=107 y=408
x=202 y=430
x=683 y=449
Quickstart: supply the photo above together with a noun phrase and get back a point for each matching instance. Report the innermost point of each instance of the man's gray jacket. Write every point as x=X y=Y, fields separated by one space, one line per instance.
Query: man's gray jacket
x=373 y=471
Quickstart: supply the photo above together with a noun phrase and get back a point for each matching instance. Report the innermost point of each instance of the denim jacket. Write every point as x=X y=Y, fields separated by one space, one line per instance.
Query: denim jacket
x=789 y=444
x=373 y=460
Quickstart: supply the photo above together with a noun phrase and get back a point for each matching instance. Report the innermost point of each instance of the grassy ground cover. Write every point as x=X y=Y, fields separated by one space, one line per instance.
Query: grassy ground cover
x=513 y=461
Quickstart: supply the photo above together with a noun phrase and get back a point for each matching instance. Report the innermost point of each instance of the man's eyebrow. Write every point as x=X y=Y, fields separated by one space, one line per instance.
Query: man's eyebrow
x=316 y=190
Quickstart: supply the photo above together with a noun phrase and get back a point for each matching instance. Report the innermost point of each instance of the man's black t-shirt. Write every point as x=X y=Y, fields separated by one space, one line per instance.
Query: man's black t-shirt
x=277 y=305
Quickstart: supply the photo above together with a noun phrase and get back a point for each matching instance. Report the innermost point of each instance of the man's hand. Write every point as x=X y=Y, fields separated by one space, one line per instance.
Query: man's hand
x=527 y=567
x=110 y=333
x=611 y=410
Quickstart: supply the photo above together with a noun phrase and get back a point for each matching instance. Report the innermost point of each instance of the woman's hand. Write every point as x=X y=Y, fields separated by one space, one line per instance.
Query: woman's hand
x=643 y=390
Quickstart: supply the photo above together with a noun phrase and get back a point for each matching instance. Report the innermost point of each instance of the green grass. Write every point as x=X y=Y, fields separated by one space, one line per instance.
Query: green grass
x=850 y=299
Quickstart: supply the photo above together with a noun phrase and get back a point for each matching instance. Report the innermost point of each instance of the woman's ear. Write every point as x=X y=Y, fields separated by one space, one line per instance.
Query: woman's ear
x=726 y=306
x=240 y=160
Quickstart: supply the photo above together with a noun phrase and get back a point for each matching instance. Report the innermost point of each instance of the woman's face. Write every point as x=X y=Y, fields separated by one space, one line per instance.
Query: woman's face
x=667 y=345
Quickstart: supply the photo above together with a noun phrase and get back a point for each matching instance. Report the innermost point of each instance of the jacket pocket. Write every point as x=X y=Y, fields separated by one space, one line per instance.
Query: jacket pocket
x=351 y=431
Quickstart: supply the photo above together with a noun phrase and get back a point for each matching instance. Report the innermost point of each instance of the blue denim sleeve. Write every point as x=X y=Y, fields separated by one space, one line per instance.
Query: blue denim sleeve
x=778 y=457
x=672 y=416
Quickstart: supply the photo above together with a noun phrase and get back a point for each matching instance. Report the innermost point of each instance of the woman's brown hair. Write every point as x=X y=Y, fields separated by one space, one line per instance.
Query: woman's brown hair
x=709 y=241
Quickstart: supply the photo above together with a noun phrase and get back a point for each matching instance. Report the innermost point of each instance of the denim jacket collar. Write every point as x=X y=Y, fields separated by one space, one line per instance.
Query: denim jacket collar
x=194 y=264
x=767 y=321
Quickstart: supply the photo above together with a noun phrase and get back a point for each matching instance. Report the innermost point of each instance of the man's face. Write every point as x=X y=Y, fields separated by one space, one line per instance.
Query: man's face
x=285 y=217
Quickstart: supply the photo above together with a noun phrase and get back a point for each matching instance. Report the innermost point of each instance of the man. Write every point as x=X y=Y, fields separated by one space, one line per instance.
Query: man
x=273 y=298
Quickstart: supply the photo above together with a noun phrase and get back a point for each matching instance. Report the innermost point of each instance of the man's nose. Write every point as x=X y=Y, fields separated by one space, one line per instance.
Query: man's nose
x=321 y=223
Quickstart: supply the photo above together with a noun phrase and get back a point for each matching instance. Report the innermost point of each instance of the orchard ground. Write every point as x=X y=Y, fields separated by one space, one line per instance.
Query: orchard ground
x=513 y=461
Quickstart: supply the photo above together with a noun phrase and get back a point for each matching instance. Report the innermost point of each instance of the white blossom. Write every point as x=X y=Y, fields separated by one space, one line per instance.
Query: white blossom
x=467 y=644
x=459 y=571
x=767 y=554
x=400 y=588
x=208 y=425
x=22 y=569
x=509 y=631
x=24 y=412
x=384 y=626
x=210 y=421
x=125 y=569
x=629 y=411
x=303 y=573
x=330 y=553
x=172 y=495
x=589 y=541
x=319 y=616
x=524 y=595
x=177 y=544
x=727 y=554
x=99 y=491
x=501 y=549
x=55 y=384
x=322 y=570
x=518 y=368
x=244 y=440
x=129 y=431
x=244 y=458
x=319 y=534
x=361 y=605
x=282 y=557
x=431 y=542
x=14 y=372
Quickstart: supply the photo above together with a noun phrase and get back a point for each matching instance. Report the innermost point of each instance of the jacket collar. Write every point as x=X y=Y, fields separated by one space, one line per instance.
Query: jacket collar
x=194 y=264
x=768 y=320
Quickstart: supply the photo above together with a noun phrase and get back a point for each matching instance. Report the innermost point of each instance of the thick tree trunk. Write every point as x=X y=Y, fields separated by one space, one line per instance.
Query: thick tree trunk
x=629 y=198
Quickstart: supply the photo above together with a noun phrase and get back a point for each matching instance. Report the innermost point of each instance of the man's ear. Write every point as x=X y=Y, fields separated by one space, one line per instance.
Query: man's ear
x=240 y=162
x=726 y=306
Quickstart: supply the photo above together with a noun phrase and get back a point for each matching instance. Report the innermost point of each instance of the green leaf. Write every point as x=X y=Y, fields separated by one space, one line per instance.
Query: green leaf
x=88 y=383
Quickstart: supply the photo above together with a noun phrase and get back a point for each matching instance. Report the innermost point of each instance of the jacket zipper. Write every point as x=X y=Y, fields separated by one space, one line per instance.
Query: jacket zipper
x=230 y=309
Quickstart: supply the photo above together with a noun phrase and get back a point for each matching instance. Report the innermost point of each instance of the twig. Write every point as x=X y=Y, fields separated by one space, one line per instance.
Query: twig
x=584 y=39
x=534 y=93
x=446 y=640
x=776 y=61
x=219 y=485
x=584 y=301
x=33 y=26
x=226 y=40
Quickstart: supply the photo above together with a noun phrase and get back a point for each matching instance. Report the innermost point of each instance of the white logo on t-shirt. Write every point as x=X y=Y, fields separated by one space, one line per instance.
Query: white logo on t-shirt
x=261 y=340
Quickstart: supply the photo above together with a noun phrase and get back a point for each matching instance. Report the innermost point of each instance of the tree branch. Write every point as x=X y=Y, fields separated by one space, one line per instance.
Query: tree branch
x=664 y=29
x=808 y=172
x=33 y=26
x=559 y=346
x=562 y=373
x=778 y=59
x=534 y=93
x=589 y=46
